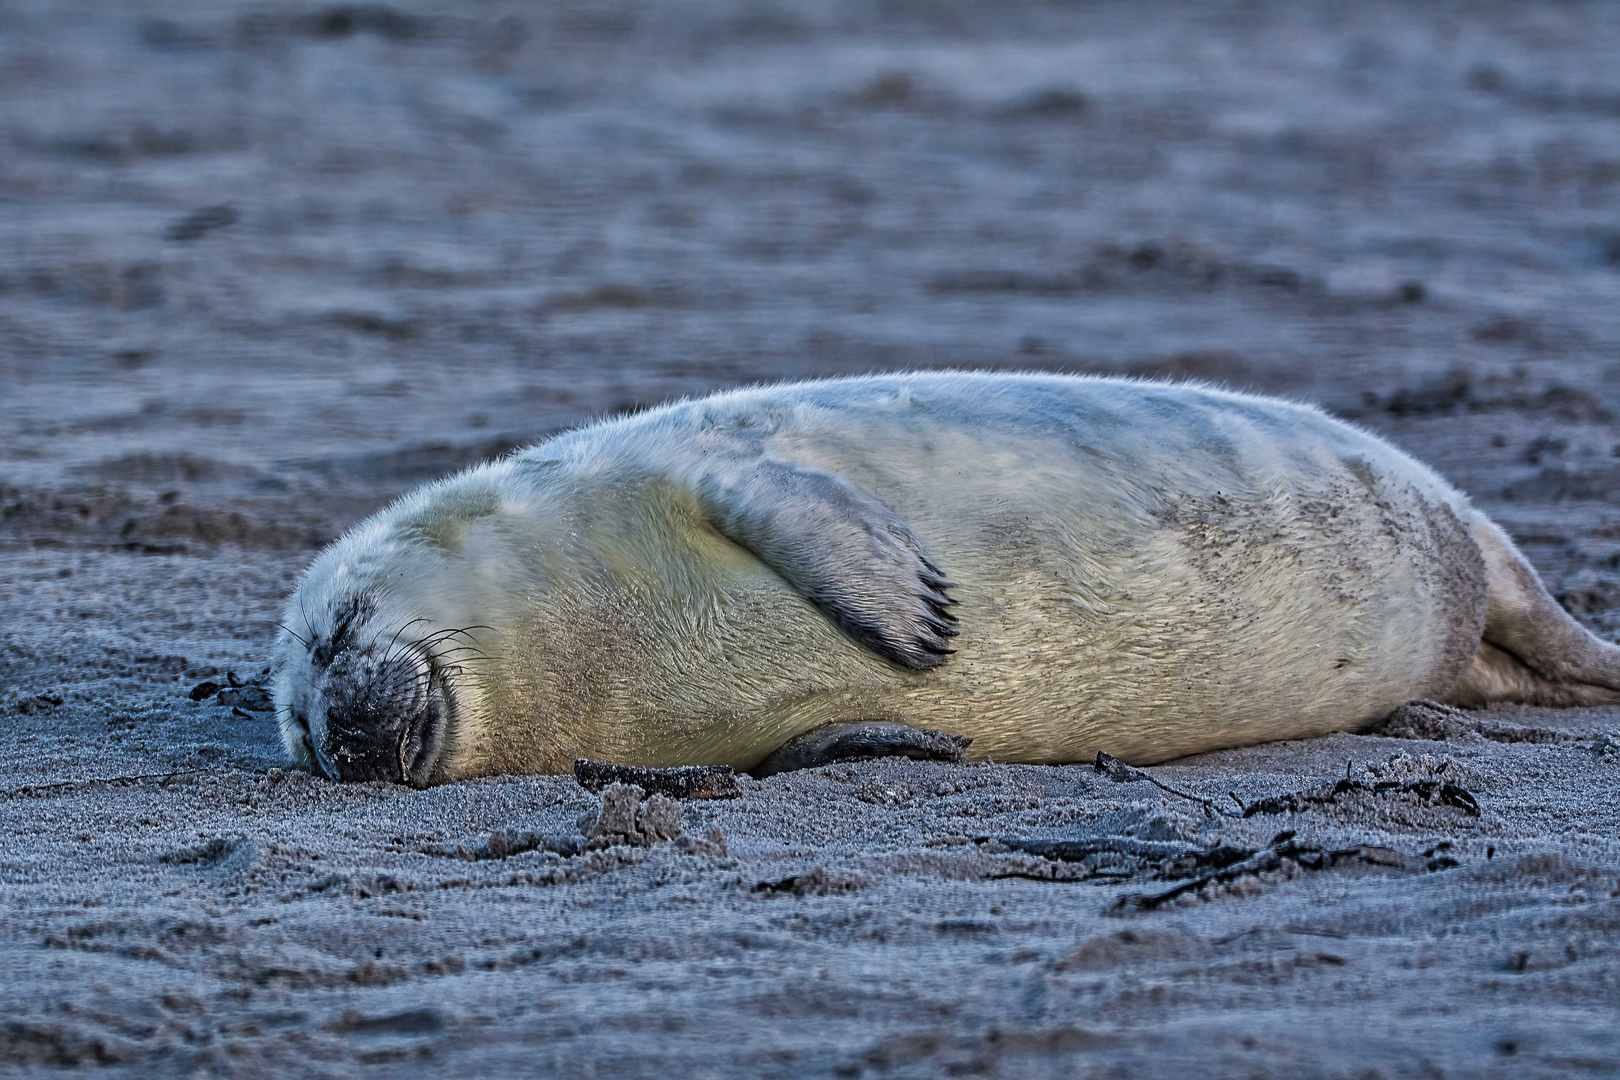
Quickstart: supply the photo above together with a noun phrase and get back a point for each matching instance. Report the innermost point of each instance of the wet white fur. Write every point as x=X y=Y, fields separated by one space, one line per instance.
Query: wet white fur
x=1143 y=568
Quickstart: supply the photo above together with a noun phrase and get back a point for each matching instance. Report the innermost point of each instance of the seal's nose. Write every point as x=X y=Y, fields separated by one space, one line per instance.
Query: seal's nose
x=385 y=723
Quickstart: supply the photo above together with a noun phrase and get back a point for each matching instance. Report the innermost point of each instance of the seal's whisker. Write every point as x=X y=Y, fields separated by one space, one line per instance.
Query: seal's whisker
x=388 y=652
x=463 y=631
x=460 y=649
x=293 y=635
x=307 y=624
x=456 y=632
x=425 y=644
x=480 y=656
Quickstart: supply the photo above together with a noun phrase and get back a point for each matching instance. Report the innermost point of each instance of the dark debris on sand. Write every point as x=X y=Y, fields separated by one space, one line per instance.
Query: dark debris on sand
x=686 y=782
x=1282 y=859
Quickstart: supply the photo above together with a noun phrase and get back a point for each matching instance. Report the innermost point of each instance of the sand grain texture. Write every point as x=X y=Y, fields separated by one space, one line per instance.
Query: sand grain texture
x=263 y=267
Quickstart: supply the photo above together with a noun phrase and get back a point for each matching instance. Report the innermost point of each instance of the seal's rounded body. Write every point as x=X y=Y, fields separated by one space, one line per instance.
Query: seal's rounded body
x=1146 y=569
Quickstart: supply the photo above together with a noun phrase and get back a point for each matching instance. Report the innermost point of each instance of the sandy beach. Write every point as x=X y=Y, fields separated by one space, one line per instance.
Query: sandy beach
x=265 y=267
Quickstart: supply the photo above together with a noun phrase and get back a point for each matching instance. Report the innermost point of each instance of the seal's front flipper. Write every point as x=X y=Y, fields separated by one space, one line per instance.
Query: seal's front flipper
x=864 y=741
x=842 y=550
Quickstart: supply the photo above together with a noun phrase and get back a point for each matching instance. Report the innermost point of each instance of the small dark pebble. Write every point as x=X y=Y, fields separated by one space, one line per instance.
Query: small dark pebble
x=251 y=698
x=686 y=782
x=413 y=1022
x=196 y=225
x=1077 y=849
x=504 y=845
x=816 y=883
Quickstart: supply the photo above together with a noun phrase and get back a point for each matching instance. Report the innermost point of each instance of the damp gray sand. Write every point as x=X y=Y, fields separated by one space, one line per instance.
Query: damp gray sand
x=263 y=267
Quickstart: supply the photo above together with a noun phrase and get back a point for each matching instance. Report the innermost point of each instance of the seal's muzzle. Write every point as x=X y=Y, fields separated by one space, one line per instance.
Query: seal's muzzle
x=384 y=720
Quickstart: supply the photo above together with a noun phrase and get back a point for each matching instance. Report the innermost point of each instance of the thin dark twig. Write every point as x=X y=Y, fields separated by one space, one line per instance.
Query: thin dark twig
x=35 y=789
x=1050 y=879
x=1120 y=772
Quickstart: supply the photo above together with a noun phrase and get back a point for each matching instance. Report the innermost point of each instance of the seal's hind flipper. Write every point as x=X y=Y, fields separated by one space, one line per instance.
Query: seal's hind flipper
x=864 y=741
x=842 y=550
x=1533 y=651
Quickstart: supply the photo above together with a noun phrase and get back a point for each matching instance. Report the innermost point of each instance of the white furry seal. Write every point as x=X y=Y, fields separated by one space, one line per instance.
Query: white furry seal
x=1142 y=568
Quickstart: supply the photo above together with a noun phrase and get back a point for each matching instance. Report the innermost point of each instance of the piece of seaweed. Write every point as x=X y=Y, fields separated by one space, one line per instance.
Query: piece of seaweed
x=1121 y=773
x=1066 y=849
x=686 y=782
x=1429 y=791
x=1284 y=851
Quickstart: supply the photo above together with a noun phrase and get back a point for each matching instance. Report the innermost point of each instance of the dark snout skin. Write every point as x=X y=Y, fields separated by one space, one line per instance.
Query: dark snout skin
x=385 y=719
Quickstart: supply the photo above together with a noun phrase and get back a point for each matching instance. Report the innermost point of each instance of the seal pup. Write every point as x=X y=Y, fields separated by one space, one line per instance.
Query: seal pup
x=1047 y=565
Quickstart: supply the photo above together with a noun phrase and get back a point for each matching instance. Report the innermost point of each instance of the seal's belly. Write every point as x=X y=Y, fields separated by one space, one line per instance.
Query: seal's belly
x=1219 y=621
x=1217 y=633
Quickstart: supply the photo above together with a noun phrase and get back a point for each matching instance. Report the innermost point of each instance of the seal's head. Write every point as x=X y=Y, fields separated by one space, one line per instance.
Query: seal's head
x=358 y=704
x=366 y=680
